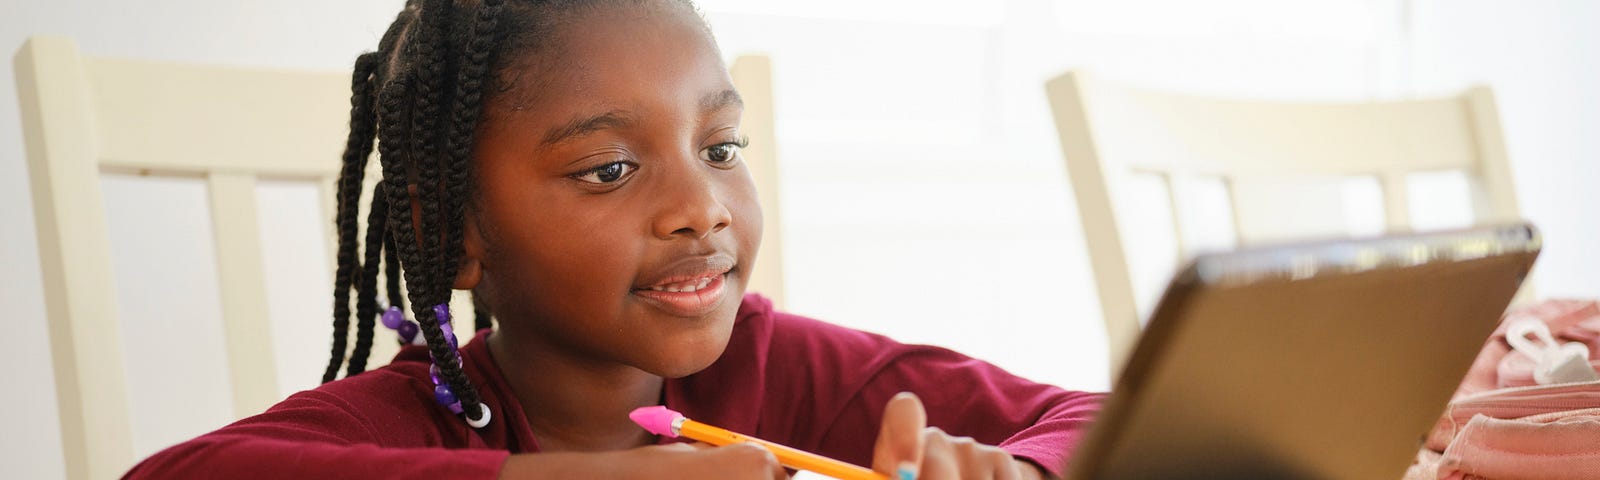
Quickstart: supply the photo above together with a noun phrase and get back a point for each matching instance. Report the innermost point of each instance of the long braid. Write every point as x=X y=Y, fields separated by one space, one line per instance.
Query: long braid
x=391 y=264
x=370 y=69
x=367 y=284
x=401 y=164
x=464 y=123
x=426 y=89
x=429 y=100
x=358 y=147
x=431 y=197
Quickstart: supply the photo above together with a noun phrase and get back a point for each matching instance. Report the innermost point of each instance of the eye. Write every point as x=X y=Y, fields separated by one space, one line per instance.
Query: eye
x=723 y=153
x=606 y=174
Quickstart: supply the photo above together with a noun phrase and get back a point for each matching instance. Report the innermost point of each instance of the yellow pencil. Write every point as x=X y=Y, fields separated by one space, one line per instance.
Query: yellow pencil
x=663 y=421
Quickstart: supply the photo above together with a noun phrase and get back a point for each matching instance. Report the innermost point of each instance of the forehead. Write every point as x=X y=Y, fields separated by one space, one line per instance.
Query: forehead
x=628 y=56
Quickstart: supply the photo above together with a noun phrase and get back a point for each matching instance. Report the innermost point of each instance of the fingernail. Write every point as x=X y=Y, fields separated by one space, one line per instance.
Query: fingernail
x=907 y=471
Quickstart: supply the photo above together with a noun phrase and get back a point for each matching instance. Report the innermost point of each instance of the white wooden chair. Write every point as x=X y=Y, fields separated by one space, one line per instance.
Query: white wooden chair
x=83 y=116
x=1111 y=132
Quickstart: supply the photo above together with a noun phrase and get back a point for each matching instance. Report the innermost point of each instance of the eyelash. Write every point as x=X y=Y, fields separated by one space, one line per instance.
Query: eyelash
x=628 y=169
x=740 y=143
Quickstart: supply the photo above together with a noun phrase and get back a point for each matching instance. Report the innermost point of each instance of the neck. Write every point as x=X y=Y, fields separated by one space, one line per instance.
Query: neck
x=572 y=404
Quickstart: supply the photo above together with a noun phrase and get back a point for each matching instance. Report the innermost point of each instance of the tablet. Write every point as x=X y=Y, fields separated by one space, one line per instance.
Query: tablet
x=1317 y=360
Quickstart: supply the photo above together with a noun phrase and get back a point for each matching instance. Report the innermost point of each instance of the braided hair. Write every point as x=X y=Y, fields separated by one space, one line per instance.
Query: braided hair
x=433 y=64
x=430 y=67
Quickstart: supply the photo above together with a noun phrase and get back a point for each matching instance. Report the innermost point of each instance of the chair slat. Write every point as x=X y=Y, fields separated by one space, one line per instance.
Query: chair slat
x=246 y=325
x=752 y=76
x=188 y=118
x=75 y=255
x=1170 y=132
x=1107 y=260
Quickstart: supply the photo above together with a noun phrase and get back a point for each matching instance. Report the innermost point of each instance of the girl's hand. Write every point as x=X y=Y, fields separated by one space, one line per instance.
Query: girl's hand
x=907 y=448
x=673 y=461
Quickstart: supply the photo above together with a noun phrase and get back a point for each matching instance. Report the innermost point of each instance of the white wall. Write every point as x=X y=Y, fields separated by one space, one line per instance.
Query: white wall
x=298 y=34
x=1543 y=60
x=924 y=193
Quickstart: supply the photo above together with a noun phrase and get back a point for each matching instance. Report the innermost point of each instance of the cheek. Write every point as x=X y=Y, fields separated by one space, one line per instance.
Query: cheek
x=745 y=205
x=560 y=251
x=578 y=246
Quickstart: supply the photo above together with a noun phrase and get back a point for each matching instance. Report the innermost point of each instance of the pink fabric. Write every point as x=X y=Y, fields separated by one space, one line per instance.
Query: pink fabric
x=1512 y=403
x=1501 y=425
x=786 y=378
x=1556 y=446
x=1569 y=321
x=1497 y=366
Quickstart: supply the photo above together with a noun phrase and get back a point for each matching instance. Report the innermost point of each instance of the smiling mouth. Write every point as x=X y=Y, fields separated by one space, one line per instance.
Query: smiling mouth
x=688 y=286
x=693 y=293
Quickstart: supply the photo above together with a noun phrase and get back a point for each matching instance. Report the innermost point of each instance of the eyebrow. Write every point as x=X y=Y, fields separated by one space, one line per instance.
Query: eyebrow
x=624 y=119
x=587 y=125
x=721 y=100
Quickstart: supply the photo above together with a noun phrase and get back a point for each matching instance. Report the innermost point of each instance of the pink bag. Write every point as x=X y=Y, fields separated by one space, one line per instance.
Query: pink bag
x=1498 y=366
x=1522 y=430
x=1513 y=403
x=1554 y=446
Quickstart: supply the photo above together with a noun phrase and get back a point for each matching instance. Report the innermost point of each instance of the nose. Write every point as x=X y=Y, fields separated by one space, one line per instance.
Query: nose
x=691 y=205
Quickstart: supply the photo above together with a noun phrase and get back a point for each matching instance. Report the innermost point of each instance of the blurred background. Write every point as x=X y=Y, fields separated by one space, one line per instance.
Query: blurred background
x=924 y=193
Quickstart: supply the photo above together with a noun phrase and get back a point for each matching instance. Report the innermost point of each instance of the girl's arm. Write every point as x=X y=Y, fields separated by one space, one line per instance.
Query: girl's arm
x=965 y=397
x=317 y=435
x=826 y=387
x=312 y=435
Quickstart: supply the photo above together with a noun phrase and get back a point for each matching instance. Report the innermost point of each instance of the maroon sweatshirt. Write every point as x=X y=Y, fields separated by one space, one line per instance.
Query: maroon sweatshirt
x=784 y=378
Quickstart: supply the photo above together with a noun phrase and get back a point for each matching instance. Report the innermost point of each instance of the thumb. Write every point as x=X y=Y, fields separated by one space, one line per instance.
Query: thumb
x=898 y=452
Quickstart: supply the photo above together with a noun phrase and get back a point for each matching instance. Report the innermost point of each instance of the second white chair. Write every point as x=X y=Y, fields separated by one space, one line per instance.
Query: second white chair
x=1110 y=133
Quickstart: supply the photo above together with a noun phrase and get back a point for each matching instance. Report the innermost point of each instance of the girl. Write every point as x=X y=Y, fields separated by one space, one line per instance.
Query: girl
x=576 y=165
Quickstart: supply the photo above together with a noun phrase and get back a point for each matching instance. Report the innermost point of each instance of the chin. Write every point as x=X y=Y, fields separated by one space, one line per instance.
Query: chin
x=688 y=357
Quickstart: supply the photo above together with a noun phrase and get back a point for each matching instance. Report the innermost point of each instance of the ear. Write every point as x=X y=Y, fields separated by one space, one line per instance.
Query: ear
x=470 y=270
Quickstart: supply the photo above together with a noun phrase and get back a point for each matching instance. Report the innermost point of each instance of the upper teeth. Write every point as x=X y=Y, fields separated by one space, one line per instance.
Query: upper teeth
x=689 y=286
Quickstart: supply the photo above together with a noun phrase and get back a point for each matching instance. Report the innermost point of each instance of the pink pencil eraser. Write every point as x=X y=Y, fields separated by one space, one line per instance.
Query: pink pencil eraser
x=657 y=419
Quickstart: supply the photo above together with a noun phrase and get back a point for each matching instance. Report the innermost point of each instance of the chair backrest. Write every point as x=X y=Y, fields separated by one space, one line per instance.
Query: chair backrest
x=1110 y=133
x=84 y=116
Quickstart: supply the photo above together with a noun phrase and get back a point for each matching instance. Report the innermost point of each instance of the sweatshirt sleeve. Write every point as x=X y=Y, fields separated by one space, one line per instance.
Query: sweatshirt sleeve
x=849 y=376
x=967 y=397
x=312 y=435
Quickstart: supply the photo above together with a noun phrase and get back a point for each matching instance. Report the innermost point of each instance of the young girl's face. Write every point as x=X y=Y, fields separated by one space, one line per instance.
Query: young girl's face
x=607 y=175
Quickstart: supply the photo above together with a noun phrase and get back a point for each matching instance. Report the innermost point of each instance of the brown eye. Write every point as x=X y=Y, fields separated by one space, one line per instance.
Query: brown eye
x=606 y=174
x=722 y=153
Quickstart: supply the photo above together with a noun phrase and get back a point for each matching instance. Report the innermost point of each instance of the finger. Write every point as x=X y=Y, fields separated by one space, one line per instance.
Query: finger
x=971 y=458
x=675 y=447
x=938 y=456
x=755 y=460
x=1007 y=467
x=775 y=468
x=898 y=452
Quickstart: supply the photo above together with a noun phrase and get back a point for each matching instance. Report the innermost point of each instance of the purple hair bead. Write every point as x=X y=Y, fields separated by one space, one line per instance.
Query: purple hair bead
x=442 y=312
x=450 y=337
x=392 y=318
x=433 y=371
x=443 y=394
x=408 y=331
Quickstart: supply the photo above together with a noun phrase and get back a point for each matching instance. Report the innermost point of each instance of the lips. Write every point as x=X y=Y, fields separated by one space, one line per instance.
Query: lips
x=691 y=287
